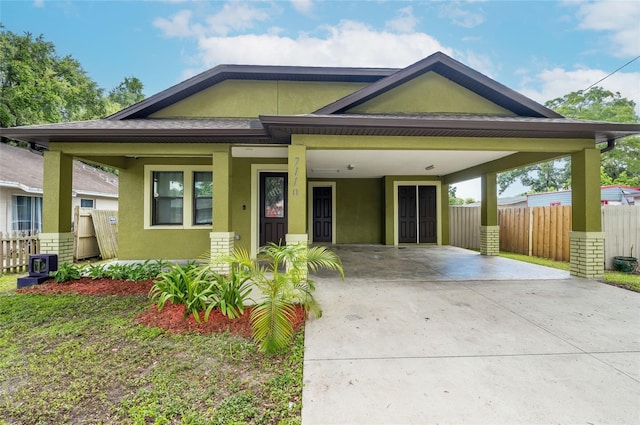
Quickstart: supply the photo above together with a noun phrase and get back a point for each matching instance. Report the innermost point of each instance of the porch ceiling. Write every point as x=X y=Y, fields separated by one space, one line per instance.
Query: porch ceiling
x=377 y=163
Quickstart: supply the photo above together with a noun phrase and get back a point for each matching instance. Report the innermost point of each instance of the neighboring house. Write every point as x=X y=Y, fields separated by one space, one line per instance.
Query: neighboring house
x=507 y=202
x=609 y=195
x=21 y=175
x=246 y=155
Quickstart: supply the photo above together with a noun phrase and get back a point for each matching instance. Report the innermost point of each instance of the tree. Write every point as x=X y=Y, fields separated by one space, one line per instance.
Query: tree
x=124 y=94
x=620 y=165
x=37 y=86
x=454 y=200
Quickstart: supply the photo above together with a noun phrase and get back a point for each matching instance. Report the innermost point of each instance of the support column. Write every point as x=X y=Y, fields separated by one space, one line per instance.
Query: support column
x=489 y=228
x=297 y=207
x=222 y=238
x=444 y=213
x=56 y=236
x=586 y=238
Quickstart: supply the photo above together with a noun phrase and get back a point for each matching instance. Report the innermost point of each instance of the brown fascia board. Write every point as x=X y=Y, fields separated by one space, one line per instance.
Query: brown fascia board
x=42 y=136
x=454 y=71
x=600 y=131
x=247 y=72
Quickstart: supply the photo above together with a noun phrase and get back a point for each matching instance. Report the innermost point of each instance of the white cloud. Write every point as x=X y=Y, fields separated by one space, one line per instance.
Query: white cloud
x=235 y=16
x=347 y=44
x=556 y=82
x=460 y=16
x=179 y=25
x=619 y=18
x=38 y=3
x=303 y=6
x=404 y=22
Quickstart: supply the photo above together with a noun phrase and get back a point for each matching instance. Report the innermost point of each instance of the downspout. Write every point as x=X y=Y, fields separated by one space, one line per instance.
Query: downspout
x=32 y=149
x=611 y=143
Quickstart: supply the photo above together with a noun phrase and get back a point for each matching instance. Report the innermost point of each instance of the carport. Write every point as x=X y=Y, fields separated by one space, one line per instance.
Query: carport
x=445 y=335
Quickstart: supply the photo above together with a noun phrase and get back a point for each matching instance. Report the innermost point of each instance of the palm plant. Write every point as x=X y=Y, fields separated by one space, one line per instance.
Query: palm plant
x=281 y=272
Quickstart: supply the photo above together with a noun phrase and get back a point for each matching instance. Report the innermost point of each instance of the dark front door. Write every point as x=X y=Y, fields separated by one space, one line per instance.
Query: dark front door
x=322 y=211
x=273 y=208
x=417 y=214
x=427 y=214
x=407 y=217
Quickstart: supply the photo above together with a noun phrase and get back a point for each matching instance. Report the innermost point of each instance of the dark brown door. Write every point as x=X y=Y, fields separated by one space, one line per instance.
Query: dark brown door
x=407 y=214
x=427 y=214
x=322 y=214
x=417 y=214
x=273 y=208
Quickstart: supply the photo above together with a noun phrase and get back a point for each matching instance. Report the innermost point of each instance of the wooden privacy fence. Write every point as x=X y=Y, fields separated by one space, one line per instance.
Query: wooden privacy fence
x=464 y=227
x=544 y=231
x=621 y=226
x=95 y=233
x=15 y=249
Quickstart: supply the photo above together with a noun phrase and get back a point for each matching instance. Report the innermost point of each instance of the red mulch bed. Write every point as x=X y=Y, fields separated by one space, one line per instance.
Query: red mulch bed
x=88 y=286
x=171 y=318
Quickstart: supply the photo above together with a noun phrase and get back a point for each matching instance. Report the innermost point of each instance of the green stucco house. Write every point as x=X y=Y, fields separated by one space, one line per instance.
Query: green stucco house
x=245 y=155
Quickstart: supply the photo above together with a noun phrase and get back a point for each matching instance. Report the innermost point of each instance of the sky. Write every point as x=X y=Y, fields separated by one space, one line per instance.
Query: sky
x=542 y=49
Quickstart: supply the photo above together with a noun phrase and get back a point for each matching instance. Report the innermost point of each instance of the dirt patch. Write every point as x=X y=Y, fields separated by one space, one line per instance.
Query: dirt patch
x=172 y=318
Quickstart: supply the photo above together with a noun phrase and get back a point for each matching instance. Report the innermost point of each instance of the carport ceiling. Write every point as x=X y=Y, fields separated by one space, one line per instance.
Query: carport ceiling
x=378 y=163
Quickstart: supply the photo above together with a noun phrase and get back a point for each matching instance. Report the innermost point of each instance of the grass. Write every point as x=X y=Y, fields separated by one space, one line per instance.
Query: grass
x=623 y=280
x=8 y=281
x=81 y=359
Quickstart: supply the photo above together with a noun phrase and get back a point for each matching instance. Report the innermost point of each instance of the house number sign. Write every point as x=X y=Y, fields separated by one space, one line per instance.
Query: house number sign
x=295 y=176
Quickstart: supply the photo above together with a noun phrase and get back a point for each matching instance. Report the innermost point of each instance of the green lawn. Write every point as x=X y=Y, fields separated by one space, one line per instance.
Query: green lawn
x=8 y=281
x=623 y=280
x=81 y=359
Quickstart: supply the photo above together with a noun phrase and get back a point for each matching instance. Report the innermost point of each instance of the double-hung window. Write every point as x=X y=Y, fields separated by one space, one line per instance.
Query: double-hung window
x=202 y=197
x=168 y=196
x=178 y=196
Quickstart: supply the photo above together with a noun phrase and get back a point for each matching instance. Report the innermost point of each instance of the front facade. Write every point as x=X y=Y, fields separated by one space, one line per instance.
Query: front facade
x=246 y=155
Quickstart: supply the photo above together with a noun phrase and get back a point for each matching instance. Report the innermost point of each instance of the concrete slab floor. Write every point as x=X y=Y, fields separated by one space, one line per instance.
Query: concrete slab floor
x=479 y=351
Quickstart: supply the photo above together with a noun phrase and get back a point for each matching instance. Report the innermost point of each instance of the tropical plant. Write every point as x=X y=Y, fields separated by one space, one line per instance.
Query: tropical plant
x=190 y=285
x=96 y=271
x=281 y=272
x=66 y=272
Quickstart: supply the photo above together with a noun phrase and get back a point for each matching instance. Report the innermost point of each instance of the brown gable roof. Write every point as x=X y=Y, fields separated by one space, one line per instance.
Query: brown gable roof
x=454 y=71
x=23 y=169
x=248 y=72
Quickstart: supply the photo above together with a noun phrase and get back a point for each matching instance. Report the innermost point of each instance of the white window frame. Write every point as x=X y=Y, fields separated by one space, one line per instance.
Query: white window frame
x=187 y=198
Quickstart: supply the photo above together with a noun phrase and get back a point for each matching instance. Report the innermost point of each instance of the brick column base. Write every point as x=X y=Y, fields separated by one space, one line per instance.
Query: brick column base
x=222 y=243
x=57 y=243
x=587 y=254
x=490 y=240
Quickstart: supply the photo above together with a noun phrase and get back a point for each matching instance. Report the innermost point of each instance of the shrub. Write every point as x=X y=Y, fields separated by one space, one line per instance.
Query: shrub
x=66 y=272
x=189 y=285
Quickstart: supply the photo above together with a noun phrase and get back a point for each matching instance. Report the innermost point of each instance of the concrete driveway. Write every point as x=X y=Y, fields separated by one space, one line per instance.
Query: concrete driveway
x=439 y=335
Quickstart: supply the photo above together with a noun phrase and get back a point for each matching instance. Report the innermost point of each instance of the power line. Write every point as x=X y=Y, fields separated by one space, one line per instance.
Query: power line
x=607 y=76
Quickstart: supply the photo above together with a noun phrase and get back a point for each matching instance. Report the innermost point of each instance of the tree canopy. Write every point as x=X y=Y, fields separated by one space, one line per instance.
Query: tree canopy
x=620 y=166
x=38 y=86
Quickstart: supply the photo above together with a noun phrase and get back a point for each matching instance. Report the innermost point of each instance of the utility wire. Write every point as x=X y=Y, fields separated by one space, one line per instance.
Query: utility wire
x=607 y=76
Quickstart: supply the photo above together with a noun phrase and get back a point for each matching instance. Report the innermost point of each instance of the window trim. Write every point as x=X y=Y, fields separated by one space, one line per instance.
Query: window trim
x=187 y=198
